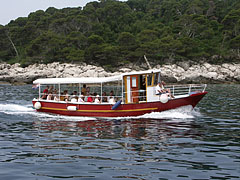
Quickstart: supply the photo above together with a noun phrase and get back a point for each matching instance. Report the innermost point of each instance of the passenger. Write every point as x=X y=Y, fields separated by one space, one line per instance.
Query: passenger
x=86 y=97
x=88 y=90
x=94 y=96
x=104 y=97
x=50 y=95
x=45 y=92
x=111 y=94
x=168 y=91
x=111 y=100
x=56 y=98
x=159 y=88
x=84 y=90
x=97 y=99
x=51 y=88
x=81 y=98
x=90 y=99
x=73 y=100
x=74 y=97
x=55 y=92
x=66 y=95
x=62 y=97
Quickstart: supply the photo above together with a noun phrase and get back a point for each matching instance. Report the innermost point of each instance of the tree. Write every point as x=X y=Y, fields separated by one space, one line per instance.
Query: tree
x=235 y=45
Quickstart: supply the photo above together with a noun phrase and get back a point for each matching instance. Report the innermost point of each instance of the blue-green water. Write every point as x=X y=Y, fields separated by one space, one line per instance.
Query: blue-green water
x=177 y=144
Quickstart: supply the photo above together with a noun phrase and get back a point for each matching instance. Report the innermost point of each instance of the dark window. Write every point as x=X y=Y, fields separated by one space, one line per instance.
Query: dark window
x=149 y=79
x=156 y=79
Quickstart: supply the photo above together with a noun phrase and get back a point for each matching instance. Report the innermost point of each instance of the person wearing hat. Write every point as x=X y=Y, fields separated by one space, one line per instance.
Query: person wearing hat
x=97 y=99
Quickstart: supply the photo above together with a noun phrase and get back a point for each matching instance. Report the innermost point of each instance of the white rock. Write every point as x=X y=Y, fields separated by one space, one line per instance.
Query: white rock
x=125 y=70
x=232 y=68
x=225 y=65
x=207 y=65
x=211 y=75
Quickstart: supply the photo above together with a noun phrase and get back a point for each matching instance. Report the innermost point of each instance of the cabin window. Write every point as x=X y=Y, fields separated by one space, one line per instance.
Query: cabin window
x=149 y=79
x=134 y=82
x=142 y=82
x=156 y=78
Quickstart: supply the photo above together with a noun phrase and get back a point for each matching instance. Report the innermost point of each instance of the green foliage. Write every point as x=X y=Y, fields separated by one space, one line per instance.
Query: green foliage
x=111 y=32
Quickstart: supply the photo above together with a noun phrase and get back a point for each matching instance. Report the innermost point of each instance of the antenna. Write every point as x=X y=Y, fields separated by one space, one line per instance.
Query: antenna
x=147 y=62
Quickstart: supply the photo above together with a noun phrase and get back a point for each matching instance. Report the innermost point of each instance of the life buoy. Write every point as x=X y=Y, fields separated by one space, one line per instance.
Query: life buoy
x=164 y=98
x=37 y=105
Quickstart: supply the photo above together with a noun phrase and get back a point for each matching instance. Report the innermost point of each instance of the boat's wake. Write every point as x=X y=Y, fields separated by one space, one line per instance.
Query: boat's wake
x=16 y=109
x=181 y=113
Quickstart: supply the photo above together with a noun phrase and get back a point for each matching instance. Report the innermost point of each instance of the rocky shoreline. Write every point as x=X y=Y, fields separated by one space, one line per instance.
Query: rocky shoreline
x=176 y=73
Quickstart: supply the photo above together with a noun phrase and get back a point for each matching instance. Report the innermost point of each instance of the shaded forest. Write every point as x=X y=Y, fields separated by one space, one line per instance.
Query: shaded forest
x=110 y=33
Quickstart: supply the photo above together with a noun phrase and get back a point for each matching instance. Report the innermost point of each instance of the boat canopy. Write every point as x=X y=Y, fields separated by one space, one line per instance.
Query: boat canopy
x=77 y=80
x=89 y=80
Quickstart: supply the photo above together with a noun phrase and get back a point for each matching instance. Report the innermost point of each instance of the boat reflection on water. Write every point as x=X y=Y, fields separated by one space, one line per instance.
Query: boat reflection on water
x=133 y=134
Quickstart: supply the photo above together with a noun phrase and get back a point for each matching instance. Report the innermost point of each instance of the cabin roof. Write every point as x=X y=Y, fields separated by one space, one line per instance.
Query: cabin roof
x=89 y=80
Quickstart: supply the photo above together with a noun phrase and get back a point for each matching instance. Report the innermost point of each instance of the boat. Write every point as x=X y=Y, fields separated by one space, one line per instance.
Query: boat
x=133 y=94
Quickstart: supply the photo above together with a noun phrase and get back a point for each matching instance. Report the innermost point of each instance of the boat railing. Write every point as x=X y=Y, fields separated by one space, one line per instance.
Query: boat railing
x=137 y=95
x=175 y=90
x=189 y=89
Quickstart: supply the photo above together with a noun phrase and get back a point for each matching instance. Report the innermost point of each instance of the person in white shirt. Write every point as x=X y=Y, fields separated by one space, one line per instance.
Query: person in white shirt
x=159 y=89
x=50 y=96
x=97 y=99
x=111 y=100
x=81 y=98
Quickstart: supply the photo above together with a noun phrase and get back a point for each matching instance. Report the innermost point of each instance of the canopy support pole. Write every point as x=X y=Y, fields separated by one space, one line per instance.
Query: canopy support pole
x=101 y=92
x=39 y=92
x=59 y=92
x=79 y=89
x=122 y=88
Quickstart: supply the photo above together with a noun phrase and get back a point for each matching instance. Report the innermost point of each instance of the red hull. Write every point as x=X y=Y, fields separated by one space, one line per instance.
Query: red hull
x=105 y=110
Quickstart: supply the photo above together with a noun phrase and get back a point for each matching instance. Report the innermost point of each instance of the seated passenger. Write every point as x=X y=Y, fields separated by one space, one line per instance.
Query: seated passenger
x=104 y=97
x=74 y=97
x=97 y=99
x=66 y=95
x=90 y=99
x=111 y=100
x=50 y=96
x=62 y=97
x=81 y=98
x=111 y=94
x=73 y=100
x=56 y=98
x=159 y=89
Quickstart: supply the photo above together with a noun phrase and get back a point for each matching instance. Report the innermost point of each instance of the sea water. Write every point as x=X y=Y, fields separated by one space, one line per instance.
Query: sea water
x=176 y=144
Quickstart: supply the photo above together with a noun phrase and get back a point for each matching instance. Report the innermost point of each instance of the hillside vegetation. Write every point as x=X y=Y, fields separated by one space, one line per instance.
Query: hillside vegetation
x=110 y=33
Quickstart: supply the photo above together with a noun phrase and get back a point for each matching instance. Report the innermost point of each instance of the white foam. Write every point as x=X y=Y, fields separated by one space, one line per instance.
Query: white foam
x=49 y=117
x=184 y=112
x=181 y=113
x=13 y=109
x=16 y=109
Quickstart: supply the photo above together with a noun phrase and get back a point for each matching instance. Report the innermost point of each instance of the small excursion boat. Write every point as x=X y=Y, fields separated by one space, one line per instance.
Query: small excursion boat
x=128 y=94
